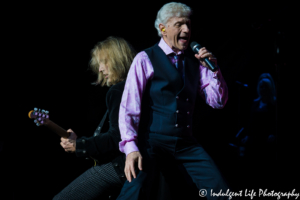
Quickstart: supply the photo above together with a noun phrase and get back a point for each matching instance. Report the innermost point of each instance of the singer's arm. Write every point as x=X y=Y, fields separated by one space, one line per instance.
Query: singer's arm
x=139 y=73
x=212 y=86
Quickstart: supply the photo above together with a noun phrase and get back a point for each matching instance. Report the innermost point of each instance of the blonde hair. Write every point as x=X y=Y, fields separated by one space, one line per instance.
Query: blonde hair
x=169 y=10
x=271 y=86
x=117 y=54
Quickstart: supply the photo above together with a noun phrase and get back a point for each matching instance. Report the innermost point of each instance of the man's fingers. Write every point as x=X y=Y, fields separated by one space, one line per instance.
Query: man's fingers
x=202 y=50
x=65 y=142
x=206 y=54
x=127 y=172
x=140 y=162
x=63 y=139
x=132 y=171
x=128 y=175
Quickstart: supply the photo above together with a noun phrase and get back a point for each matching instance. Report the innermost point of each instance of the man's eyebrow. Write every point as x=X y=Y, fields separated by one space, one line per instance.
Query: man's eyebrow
x=183 y=21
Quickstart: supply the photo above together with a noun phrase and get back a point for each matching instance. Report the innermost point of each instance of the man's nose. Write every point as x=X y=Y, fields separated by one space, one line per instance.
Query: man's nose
x=186 y=28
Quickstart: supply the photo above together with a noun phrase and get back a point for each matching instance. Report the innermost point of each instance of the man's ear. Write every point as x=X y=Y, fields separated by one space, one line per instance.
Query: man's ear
x=162 y=29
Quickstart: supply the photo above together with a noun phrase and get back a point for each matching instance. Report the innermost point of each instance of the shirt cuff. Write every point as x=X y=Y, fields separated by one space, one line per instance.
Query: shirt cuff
x=130 y=147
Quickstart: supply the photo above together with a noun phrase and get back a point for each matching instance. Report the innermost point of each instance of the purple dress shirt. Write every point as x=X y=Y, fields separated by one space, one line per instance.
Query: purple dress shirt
x=212 y=89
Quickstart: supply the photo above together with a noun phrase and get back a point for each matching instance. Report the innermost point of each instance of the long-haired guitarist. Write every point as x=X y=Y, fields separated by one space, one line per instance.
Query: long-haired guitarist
x=111 y=60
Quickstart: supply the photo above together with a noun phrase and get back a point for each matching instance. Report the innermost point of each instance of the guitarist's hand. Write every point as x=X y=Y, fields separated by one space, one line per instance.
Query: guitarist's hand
x=69 y=144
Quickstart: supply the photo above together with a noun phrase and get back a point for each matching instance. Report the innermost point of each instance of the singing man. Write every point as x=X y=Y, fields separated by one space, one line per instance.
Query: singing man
x=158 y=101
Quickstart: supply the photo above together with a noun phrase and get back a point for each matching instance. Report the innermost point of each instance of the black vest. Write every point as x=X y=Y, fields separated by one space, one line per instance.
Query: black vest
x=168 y=101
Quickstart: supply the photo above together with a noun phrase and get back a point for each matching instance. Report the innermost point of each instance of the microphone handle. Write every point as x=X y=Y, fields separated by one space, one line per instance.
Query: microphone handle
x=211 y=65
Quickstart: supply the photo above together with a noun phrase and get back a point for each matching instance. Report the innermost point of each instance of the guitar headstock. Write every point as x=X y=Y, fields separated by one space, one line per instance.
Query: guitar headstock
x=39 y=115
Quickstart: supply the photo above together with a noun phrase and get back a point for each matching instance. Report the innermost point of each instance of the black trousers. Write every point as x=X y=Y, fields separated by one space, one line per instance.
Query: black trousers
x=183 y=164
x=97 y=182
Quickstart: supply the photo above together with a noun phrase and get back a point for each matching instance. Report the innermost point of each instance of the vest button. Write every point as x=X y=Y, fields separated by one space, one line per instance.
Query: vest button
x=177 y=111
x=187 y=99
x=188 y=126
x=188 y=112
x=83 y=141
x=177 y=97
x=176 y=125
x=116 y=165
x=83 y=151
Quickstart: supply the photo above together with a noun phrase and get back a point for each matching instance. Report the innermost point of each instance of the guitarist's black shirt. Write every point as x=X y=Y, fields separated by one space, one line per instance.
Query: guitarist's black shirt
x=105 y=146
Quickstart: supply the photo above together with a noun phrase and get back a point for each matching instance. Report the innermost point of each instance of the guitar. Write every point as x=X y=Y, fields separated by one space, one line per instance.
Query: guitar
x=42 y=118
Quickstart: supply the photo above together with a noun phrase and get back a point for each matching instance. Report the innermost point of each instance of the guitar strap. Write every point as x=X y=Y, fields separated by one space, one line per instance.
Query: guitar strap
x=98 y=130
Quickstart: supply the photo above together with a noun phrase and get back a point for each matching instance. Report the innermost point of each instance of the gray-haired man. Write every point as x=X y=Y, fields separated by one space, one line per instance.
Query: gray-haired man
x=158 y=102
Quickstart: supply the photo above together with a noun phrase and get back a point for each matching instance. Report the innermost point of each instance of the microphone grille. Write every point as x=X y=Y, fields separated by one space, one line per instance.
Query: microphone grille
x=194 y=44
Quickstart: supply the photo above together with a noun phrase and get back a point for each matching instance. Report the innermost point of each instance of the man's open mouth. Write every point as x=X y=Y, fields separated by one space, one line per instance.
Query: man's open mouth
x=183 y=39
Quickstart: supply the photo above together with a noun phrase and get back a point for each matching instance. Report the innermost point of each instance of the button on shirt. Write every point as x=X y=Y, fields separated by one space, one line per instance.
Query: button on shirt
x=212 y=89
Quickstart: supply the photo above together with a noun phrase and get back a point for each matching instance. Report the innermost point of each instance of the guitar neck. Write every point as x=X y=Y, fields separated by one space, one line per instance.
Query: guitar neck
x=42 y=118
x=57 y=129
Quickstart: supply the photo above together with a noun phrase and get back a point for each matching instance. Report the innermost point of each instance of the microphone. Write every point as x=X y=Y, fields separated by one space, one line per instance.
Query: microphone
x=196 y=47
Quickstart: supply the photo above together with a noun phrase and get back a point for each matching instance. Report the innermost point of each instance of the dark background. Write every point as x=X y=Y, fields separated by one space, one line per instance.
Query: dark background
x=48 y=55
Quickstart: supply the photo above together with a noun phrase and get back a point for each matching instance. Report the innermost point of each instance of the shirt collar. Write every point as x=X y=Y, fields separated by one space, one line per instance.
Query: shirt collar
x=165 y=47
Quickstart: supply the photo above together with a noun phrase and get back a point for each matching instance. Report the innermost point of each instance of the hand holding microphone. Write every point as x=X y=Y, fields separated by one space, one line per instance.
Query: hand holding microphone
x=207 y=59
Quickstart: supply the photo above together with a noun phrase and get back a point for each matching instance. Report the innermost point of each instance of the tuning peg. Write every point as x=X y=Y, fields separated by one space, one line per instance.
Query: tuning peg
x=35 y=109
x=47 y=114
x=35 y=121
x=43 y=111
x=37 y=124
